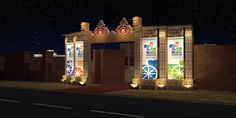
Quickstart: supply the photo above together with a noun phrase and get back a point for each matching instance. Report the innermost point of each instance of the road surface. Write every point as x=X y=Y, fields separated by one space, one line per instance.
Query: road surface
x=18 y=103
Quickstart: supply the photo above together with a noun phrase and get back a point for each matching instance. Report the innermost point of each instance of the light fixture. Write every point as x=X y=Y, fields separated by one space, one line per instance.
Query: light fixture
x=188 y=86
x=161 y=83
x=63 y=78
x=135 y=83
x=188 y=83
x=72 y=79
x=83 y=80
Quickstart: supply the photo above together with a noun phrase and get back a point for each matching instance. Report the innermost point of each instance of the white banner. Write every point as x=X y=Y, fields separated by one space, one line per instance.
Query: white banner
x=149 y=68
x=79 y=57
x=69 y=58
x=176 y=58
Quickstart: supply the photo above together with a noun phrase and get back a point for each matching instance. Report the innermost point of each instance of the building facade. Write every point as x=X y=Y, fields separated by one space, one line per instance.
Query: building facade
x=162 y=55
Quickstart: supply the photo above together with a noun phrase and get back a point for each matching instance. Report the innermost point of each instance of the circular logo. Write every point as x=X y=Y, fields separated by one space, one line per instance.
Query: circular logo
x=79 y=71
x=122 y=30
x=100 y=32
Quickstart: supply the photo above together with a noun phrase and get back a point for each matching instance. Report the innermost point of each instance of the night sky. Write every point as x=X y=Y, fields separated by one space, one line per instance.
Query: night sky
x=38 y=25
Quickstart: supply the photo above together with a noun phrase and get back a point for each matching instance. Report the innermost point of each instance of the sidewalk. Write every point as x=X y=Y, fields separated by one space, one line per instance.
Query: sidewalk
x=98 y=88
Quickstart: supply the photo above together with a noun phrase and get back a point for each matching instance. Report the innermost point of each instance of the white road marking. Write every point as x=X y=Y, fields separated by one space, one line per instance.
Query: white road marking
x=115 y=113
x=48 y=105
x=5 y=100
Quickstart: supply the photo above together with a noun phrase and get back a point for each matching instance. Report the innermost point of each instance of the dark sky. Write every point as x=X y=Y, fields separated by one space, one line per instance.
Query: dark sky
x=37 y=25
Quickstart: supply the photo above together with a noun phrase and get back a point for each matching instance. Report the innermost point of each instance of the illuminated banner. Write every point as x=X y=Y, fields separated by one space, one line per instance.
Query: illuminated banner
x=69 y=58
x=79 y=57
x=176 y=58
x=149 y=68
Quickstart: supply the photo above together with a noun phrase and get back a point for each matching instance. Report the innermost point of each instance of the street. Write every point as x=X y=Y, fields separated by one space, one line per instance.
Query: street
x=16 y=103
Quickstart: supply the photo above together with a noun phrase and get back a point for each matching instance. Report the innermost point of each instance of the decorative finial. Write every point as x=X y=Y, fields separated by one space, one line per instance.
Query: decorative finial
x=101 y=23
x=124 y=21
x=137 y=21
x=84 y=26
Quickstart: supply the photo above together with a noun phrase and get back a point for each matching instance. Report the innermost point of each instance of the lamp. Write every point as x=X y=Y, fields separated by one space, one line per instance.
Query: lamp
x=135 y=83
x=72 y=79
x=161 y=83
x=83 y=80
x=188 y=83
x=63 y=78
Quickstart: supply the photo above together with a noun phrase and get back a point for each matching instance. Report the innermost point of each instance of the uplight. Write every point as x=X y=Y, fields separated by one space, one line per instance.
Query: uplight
x=134 y=85
x=161 y=85
x=82 y=82
x=188 y=86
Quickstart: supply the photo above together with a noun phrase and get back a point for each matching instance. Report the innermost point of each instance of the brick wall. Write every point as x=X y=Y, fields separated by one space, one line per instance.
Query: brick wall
x=215 y=67
x=23 y=67
x=112 y=66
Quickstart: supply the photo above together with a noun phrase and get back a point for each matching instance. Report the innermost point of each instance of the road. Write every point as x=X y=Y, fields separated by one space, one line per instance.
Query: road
x=16 y=103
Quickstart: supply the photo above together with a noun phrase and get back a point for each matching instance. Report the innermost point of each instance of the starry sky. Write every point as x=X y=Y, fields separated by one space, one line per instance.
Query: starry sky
x=38 y=25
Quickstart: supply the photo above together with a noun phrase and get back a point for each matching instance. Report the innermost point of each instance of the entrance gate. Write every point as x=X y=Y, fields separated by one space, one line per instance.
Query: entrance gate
x=109 y=67
x=162 y=54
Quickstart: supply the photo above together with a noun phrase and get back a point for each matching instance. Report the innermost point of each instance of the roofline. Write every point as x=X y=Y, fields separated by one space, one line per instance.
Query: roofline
x=70 y=34
x=164 y=26
x=150 y=26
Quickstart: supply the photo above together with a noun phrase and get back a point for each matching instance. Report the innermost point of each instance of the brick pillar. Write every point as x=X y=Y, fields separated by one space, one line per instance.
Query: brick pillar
x=47 y=65
x=137 y=26
x=85 y=37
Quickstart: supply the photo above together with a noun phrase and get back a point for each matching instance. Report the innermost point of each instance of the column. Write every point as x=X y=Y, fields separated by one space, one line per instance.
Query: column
x=137 y=26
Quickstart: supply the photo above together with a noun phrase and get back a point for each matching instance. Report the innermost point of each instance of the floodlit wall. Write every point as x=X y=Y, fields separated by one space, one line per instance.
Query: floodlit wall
x=167 y=57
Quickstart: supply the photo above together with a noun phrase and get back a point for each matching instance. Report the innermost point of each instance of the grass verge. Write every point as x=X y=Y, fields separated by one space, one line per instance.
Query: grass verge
x=220 y=97
x=52 y=86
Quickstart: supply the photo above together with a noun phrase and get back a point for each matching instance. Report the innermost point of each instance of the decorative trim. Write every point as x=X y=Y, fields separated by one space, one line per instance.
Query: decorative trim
x=101 y=29
x=124 y=27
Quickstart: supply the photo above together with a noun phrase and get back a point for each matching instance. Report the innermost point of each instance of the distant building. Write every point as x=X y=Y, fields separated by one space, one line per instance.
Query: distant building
x=32 y=67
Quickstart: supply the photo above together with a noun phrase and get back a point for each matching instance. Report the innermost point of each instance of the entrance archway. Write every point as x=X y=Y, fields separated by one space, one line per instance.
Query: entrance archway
x=152 y=48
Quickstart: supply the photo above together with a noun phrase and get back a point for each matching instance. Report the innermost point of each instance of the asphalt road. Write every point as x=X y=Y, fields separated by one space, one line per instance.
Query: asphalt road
x=16 y=103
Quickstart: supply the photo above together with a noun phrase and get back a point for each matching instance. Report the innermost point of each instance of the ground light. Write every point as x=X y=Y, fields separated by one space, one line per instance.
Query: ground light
x=161 y=83
x=135 y=83
x=188 y=83
x=72 y=79
x=63 y=78
x=83 y=81
x=187 y=86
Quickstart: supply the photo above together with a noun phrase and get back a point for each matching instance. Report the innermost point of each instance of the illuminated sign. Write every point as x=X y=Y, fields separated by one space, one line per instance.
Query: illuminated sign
x=149 y=67
x=69 y=58
x=176 y=58
x=79 y=55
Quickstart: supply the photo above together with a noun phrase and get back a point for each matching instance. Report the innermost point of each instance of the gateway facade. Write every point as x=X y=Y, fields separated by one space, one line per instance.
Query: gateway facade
x=162 y=55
